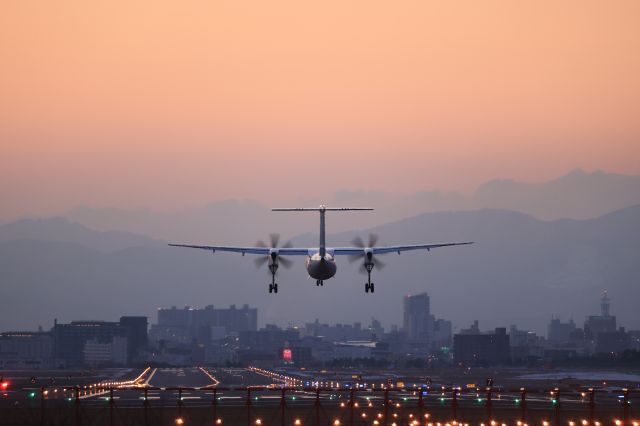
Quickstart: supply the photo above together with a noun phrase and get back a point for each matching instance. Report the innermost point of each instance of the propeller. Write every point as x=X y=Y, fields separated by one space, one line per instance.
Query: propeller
x=274 y=239
x=367 y=254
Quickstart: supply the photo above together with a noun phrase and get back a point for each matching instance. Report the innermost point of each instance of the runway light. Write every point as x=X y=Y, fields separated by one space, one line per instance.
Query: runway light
x=545 y=423
x=258 y=421
x=219 y=421
x=585 y=423
x=618 y=422
x=375 y=422
x=297 y=422
x=336 y=422
x=179 y=421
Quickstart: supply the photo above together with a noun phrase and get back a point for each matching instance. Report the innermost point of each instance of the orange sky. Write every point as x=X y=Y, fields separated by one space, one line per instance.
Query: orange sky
x=174 y=104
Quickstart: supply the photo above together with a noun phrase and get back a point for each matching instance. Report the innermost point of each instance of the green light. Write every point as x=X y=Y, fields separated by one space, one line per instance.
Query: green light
x=555 y=401
x=517 y=400
x=479 y=399
x=294 y=398
x=32 y=395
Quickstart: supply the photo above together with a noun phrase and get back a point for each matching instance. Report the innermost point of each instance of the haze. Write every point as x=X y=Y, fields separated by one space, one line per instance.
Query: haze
x=170 y=105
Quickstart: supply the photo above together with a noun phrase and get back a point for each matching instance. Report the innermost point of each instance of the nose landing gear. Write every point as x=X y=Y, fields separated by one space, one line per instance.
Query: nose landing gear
x=319 y=283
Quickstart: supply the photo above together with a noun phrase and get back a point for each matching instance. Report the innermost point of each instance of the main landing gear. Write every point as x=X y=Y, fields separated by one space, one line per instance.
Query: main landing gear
x=273 y=287
x=368 y=286
x=319 y=283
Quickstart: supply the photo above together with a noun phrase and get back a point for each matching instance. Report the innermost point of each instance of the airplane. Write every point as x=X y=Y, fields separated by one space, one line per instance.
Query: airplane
x=320 y=262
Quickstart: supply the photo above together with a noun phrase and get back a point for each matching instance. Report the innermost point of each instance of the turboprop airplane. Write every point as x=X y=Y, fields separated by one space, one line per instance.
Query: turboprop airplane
x=320 y=261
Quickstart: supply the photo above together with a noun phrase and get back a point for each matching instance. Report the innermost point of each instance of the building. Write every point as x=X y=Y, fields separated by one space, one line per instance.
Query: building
x=603 y=323
x=114 y=352
x=25 y=349
x=203 y=325
x=560 y=332
x=342 y=332
x=69 y=340
x=442 y=332
x=424 y=333
x=482 y=349
x=136 y=336
x=418 y=321
x=526 y=346
x=613 y=341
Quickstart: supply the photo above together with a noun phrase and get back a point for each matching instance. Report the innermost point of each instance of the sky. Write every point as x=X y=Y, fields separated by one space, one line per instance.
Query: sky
x=169 y=105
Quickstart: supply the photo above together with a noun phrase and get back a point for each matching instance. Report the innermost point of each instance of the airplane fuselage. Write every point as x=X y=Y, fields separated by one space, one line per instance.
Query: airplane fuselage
x=321 y=268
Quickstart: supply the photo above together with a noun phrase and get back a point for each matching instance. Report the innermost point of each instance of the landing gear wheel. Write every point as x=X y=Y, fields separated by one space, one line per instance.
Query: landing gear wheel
x=275 y=288
x=371 y=287
x=366 y=287
x=270 y=288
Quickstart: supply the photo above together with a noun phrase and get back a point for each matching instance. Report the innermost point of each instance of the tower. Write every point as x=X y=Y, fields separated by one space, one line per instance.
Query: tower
x=604 y=304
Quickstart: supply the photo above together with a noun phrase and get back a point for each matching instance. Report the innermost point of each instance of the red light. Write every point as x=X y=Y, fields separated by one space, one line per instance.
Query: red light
x=287 y=355
x=5 y=385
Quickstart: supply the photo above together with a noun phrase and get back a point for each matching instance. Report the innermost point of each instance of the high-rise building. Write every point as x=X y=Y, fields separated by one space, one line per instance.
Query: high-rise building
x=603 y=323
x=136 y=333
x=418 y=321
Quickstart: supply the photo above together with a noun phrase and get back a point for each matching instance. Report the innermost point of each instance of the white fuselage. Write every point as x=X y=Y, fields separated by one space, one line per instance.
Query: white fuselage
x=321 y=267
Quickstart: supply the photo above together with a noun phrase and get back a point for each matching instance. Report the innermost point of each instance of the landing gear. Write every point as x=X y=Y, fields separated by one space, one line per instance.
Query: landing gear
x=368 y=286
x=319 y=283
x=273 y=287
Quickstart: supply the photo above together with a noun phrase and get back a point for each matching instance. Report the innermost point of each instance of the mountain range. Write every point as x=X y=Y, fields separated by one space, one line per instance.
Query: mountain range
x=521 y=270
x=576 y=195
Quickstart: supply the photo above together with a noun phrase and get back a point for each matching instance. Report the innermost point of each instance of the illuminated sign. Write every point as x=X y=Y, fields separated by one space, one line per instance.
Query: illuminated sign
x=287 y=355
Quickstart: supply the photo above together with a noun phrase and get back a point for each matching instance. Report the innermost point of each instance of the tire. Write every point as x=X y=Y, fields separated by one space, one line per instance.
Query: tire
x=270 y=288
x=366 y=287
x=275 y=288
x=371 y=287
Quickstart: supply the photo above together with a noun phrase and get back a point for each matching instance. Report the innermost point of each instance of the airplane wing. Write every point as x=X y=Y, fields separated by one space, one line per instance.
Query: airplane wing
x=393 y=249
x=289 y=251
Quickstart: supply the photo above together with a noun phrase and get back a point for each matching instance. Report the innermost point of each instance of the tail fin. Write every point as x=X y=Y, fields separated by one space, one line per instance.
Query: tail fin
x=322 y=210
